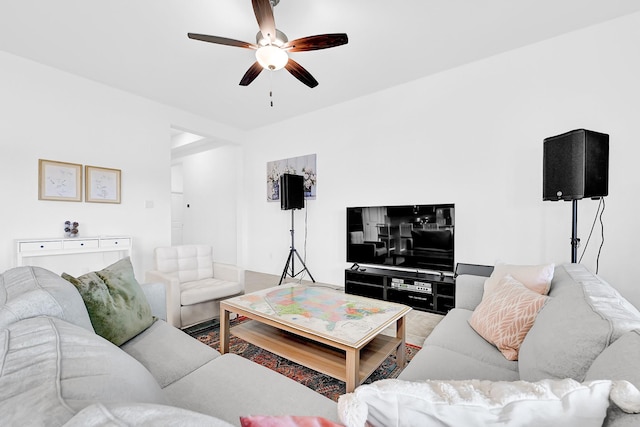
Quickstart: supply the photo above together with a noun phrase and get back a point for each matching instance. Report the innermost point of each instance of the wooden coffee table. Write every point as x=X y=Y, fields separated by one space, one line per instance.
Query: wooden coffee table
x=318 y=327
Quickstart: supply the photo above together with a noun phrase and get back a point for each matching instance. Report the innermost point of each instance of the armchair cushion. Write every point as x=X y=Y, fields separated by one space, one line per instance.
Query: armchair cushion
x=207 y=290
x=187 y=262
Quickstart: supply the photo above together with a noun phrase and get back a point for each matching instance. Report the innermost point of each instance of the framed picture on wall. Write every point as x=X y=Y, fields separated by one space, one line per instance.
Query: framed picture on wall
x=303 y=165
x=102 y=185
x=59 y=181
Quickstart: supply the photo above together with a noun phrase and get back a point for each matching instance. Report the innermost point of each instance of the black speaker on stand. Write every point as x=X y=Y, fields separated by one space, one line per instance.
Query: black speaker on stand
x=575 y=165
x=291 y=191
x=291 y=198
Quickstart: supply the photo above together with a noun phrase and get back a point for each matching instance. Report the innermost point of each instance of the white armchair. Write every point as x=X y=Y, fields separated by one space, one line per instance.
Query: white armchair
x=194 y=283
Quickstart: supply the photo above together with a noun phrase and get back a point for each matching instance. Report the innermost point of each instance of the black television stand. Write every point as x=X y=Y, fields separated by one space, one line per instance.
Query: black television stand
x=423 y=291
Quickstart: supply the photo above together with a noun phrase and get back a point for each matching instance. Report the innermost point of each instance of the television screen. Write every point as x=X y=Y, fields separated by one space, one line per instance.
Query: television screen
x=410 y=236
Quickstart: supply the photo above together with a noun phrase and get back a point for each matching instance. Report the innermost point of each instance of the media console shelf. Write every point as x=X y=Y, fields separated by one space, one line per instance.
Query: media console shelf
x=422 y=291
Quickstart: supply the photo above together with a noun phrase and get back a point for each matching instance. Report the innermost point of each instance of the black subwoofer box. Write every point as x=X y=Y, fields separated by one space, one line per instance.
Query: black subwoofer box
x=575 y=165
x=291 y=191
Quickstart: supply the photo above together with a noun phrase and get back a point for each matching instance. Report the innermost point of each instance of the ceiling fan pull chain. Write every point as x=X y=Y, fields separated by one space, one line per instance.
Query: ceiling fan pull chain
x=271 y=87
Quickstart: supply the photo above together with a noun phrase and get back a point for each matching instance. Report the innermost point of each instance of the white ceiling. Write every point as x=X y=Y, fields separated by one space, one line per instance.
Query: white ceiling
x=141 y=46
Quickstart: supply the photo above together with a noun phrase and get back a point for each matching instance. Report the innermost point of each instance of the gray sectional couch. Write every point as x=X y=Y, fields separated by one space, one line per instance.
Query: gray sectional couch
x=586 y=331
x=54 y=370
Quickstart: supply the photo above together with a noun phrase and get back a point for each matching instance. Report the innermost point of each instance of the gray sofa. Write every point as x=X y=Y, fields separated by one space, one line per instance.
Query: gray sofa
x=54 y=370
x=586 y=331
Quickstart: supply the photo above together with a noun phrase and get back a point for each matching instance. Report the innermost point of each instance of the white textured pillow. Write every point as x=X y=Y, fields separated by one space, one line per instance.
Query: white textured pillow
x=535 y=277
x=564 y=403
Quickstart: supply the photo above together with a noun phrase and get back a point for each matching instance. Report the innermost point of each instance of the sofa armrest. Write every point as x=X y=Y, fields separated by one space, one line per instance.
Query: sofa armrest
x=172 y=294
x=227 y=272
x=469 y=291
x=156 y=296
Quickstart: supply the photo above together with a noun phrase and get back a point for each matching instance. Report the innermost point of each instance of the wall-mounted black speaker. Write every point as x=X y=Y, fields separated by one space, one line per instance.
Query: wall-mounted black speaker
x=575 y=165
x=291 y=191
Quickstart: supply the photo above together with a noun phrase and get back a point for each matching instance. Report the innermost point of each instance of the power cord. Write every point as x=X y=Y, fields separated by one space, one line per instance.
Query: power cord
x=598 y=214
x=602 y=236
x=304 y=257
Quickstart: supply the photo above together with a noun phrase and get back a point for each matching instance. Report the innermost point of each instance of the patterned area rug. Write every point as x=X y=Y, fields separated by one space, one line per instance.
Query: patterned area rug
x=323 y=384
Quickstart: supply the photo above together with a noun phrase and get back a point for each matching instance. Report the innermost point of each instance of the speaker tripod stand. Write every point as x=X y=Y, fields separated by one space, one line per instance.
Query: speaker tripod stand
x=575 y=241
x=291 y=259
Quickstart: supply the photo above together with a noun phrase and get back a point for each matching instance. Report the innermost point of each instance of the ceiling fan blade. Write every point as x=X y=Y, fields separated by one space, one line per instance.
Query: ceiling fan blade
x=300 y=73
x=221 y=40
x=322 y=41
x=264 y=16
x=251 y=74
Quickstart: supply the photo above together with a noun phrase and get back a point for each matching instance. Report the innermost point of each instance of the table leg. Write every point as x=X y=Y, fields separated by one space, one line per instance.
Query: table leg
x=401 y=333
x=353 y=369
x=224 y=330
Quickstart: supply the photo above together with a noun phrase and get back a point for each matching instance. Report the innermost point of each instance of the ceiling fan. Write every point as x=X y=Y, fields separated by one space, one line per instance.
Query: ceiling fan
x=272 y=46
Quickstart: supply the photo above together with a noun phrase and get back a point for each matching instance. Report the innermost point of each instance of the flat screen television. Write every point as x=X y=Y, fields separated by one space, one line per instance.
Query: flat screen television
x=417 y=237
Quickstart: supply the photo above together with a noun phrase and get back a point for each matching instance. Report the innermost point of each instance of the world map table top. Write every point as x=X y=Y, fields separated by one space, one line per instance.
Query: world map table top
x=328 y=312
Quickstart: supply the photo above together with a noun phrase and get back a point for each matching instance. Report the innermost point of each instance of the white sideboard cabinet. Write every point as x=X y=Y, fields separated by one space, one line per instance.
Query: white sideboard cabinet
x=76 y=255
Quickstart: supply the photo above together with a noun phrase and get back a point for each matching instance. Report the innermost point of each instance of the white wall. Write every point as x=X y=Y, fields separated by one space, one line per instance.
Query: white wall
x=49 y=114
x=471 y=136
x=210 y=182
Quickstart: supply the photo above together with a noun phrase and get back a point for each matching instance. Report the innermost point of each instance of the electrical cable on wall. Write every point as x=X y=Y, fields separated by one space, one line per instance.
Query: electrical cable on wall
x=306 y=229
x=598 y=214
x=602 y=236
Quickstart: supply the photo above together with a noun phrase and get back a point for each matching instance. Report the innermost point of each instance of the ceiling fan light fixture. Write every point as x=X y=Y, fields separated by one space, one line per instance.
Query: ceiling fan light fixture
x=271 y=57
x=279 y=40
x=272 y=46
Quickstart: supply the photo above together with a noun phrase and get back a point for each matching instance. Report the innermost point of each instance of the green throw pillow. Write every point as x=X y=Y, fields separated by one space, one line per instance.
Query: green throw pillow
x=117 y=306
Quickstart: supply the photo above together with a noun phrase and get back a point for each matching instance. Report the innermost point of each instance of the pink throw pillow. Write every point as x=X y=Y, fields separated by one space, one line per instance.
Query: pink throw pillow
x=505 y=316
x=286 y=421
